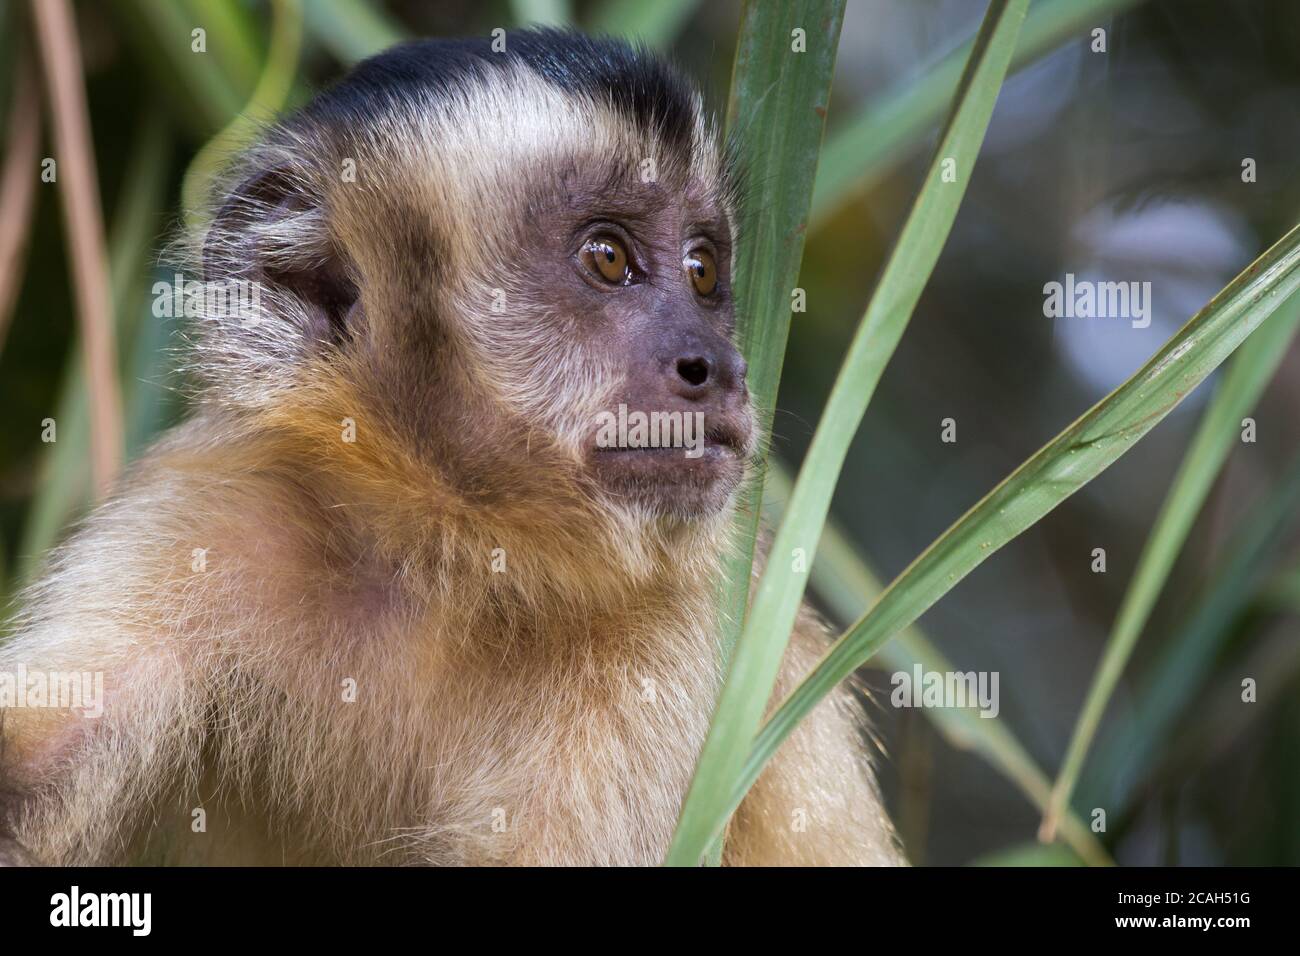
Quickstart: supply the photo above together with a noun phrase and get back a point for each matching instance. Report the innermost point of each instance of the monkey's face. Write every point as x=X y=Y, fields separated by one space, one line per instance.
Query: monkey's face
x=638 y=278
x=677 y=430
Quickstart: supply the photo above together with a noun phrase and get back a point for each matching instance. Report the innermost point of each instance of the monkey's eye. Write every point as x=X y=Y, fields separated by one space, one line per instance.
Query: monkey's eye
x=606 y=258
x=703 y=271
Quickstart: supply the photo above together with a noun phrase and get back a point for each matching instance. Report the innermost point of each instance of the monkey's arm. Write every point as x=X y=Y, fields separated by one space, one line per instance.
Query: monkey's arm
x=816 y=803
x=103 y=630
x=75 y=783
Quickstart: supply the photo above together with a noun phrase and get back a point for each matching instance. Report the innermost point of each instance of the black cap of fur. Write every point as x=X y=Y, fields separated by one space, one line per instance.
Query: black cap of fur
x=638 y=83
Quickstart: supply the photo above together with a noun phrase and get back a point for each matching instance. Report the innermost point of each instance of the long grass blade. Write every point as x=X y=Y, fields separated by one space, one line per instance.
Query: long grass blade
x=232 y=40
x=352 y=29
x=56 y=33
x=203 y=98
x=269 y=96
x=758 y=653
x=860 y=153
x=842 y=578
x=1060 y=468
x=1248 y=374
x=1029 y=854
x=1169 y=687
x=776 y=118
x=18 y=186
x=65 y=487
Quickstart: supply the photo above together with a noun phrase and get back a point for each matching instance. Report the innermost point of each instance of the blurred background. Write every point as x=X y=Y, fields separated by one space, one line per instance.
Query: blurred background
x=1125 y=165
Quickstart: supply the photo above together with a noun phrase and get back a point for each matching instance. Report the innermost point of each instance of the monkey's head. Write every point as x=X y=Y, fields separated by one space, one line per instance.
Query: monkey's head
x=513 y=257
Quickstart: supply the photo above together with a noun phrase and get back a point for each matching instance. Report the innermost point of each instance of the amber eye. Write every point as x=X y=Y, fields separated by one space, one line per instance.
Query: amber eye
x=703 y=271
x=607 y=259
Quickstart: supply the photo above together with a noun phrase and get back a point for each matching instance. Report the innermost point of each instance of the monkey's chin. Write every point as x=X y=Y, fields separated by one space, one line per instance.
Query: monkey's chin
x=666 y=482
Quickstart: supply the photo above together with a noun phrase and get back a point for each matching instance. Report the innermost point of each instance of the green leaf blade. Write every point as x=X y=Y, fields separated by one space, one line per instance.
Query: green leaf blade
x=776 y=118
x=843 y=579
x=352 y=29
x=862 y=151
x=758 y=653
x=1250 y=371
x=1169 y=688
x=1060 y=468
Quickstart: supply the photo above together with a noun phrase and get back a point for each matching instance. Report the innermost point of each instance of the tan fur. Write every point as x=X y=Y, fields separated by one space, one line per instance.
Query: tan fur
x=471 y=701
x=550 y=714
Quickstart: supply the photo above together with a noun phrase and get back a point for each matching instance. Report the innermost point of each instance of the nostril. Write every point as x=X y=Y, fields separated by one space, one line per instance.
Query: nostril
x=693 y=370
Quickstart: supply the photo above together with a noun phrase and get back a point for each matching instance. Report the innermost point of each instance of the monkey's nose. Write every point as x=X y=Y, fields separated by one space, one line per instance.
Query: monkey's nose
x=698 y=373
x=694 y=370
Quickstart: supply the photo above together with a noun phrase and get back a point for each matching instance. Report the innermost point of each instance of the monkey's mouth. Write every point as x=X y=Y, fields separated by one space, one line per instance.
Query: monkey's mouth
x=721 y=440
x=686 y=479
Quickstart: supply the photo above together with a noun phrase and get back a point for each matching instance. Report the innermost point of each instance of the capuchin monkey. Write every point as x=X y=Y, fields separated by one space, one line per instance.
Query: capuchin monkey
x=391 y=595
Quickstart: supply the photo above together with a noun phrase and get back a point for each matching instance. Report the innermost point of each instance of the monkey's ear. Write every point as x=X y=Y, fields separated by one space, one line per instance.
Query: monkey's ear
x=272 y=230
